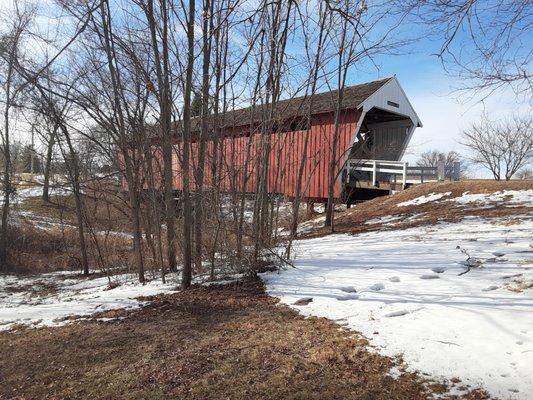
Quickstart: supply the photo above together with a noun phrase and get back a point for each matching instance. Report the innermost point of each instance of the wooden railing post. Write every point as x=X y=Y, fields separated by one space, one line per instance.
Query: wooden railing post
x=440 y=170
x=373 y=172
x=456 y=175
x=404 y=175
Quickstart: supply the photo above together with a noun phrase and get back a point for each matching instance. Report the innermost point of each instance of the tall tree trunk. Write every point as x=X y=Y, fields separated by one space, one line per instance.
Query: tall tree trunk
x=48 y=164
x=165 y=115
x=303 y=161
x=198 y=207
x=131 y=174
x=7 y=168
x=186 y=141
x=74 y=172
x=341 y=79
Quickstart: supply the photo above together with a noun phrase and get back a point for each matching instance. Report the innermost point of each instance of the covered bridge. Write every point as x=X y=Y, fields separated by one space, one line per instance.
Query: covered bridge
x=376 y=122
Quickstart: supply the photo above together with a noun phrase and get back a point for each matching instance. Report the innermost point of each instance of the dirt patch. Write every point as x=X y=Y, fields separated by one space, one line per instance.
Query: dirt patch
x=231 y=342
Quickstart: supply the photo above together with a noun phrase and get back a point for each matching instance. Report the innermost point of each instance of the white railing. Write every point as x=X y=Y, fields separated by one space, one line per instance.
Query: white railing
x=376 y=166
x=395 y=169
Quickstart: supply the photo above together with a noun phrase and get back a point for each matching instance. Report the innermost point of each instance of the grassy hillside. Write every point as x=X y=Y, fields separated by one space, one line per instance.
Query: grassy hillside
x=445 y=207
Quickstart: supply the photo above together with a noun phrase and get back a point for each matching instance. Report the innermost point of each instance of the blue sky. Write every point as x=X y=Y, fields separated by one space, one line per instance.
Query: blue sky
x=443 y=111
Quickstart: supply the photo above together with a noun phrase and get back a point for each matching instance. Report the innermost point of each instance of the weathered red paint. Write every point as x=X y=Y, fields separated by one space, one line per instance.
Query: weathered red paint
x=238 y=155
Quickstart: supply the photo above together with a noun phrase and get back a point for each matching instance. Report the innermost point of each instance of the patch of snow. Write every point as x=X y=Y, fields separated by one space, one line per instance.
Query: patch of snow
x=348 y=289
x=376 y=287
x=424 y=199
x=308 y=226
x=386 y=220
x=347 y=297
x=226 y=280
x=429 y=276
x=457 y=326
x=37 y=191
x=507 y=198
x=23 y=302
x=46 y=223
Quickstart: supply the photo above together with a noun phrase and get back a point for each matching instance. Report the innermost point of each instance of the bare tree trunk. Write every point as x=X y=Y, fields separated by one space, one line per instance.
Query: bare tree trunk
x=186 y=142
x=165 y=113
x=344 y=55
x=48 y=164
x=123 y=138
x=303 y=161
x=7 y=166
x=74 y=172
x=198 y=208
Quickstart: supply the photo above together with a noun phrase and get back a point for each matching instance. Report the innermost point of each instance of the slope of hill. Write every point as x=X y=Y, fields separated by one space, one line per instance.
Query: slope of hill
x=441 y=274
x=432 y=203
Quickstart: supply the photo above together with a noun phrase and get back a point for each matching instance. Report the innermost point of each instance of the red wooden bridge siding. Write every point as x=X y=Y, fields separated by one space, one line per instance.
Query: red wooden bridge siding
x=239 y=155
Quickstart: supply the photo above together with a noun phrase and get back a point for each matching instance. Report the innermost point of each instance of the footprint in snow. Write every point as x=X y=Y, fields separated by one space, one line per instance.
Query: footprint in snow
x=347 y=297
x=348 y=289
x=429 y=277
x=394 y=279
x=303 y=301
x=438 y=270
x=511 y=276
x=397 y=313
x=490 y=288
x=377 y=287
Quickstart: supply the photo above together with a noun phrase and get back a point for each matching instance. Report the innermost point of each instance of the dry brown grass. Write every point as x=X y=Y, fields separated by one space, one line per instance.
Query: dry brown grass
x=35 y=250
x=353 y=220
x=217 y=343
x=107 y=209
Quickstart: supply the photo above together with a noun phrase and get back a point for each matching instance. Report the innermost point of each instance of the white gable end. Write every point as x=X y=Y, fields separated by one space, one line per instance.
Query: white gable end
x=392 y=98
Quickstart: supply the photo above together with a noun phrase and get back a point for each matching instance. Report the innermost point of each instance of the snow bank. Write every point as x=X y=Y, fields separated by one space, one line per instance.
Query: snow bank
x=37 y=191
x=508 y=197
x=424 y=199
x=386 y=220
x=471 y=326
x=48 y=299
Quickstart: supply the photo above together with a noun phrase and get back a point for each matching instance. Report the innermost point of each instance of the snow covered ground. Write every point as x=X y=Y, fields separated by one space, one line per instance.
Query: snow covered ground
x=47 y=299
x=424 y=199
x=26 y=192
x=504 y=198
x=402 y=290
x=50 y=299
x=507 y=198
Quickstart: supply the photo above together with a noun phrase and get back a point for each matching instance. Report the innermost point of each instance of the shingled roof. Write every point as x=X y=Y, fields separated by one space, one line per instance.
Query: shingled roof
x=324 y=102
x=296 y=107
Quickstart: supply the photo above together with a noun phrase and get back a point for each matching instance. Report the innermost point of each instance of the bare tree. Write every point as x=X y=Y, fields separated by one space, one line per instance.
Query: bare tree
x=432 y=158
x=525 y=173
x=10 y=44
x=487 y=43
x=361 y=32
x=158 y=22
x=503 y=147
x=186 y=142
